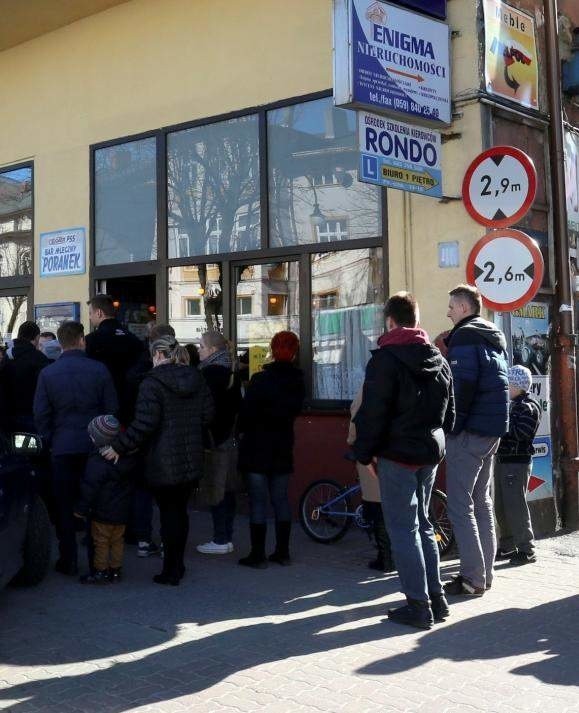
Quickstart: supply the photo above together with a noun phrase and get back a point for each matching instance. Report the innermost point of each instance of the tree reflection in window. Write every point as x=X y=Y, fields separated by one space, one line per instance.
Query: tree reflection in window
x=213 y=188
x=16 y=223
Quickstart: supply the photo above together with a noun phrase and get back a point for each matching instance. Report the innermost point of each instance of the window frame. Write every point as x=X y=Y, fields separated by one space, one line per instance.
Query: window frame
x=230 y=261
x=18 y=285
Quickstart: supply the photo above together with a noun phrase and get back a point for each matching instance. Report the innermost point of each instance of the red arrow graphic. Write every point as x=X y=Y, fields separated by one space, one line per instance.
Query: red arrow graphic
x=406 y=74
x=535 y=483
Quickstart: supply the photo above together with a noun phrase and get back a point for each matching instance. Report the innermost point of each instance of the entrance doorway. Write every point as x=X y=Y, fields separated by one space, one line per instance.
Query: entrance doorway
x=135 y=301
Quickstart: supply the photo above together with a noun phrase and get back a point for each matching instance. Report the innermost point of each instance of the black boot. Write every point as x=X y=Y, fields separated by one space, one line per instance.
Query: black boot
x=256 y=557
x=383 y=561
x=415 y=613
x=281 y=554
x=439 y=605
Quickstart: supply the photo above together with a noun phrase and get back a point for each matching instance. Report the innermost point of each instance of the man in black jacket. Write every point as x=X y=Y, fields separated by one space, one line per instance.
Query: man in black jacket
x=20 y=376
x=115 y=347
x=407 y=408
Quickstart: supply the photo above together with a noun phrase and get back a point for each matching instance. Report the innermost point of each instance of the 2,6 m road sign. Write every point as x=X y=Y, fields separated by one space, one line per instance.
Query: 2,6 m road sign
x=507 y=267
x=499 y=186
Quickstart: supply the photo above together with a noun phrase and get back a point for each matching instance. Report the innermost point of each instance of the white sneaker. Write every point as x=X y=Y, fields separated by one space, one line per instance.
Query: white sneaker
x=212 y=548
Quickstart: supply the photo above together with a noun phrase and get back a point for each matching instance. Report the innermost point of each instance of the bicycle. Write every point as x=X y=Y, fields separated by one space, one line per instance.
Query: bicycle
x=326 y=513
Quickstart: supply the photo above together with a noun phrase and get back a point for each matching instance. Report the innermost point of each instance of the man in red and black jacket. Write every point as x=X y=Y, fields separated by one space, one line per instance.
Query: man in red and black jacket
x=407 y=408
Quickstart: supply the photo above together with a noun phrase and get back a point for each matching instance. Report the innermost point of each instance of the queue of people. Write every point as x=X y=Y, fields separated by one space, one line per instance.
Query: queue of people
x=128 y=425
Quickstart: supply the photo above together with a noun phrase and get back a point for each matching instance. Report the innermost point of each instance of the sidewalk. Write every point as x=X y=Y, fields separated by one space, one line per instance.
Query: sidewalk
x=310 y=637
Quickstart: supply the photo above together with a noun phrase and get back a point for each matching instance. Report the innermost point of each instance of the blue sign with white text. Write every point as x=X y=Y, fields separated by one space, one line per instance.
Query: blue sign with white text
x=62 y=252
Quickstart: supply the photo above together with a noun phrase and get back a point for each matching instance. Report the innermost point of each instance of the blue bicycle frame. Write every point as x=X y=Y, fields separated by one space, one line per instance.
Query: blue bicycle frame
x=326 y=509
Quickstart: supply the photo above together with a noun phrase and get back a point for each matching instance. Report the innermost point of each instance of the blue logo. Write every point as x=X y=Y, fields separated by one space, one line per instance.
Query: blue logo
x=370 y=167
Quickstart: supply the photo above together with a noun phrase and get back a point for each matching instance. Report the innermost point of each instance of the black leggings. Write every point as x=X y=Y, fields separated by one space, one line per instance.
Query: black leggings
x=172 y=501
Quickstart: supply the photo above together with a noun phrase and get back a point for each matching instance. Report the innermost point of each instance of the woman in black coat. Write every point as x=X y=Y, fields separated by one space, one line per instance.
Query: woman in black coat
x=272 y=402
x=174 y=406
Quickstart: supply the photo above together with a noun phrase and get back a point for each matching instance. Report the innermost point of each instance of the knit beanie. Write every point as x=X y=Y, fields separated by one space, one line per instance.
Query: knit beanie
x=103 y=430
x=520 y=377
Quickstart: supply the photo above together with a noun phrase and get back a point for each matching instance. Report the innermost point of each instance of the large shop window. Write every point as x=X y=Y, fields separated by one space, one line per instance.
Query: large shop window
x=347 y=319
x=195 y=300
x=12 y=314
x=213 y=188
x=272 y=292
x=314 y=192
x=16 y=223
x=126 y=203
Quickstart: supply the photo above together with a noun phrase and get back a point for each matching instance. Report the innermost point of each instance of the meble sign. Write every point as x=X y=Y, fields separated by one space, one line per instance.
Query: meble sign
x=398 y=155
x=62 y=252
x=391 y=60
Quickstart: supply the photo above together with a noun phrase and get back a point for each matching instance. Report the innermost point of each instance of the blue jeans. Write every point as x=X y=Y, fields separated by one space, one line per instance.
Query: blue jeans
x=223 y=515
x=405 y=501
x=260 y=486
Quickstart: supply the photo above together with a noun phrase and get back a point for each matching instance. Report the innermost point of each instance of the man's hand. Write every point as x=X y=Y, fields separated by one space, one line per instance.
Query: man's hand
x=372 y=469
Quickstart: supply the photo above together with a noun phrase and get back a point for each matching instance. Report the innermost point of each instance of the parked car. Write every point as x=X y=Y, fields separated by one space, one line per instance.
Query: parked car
x=25 y=530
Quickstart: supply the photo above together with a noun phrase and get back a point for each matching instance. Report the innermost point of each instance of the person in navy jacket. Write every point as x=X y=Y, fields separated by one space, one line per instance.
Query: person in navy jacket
x=478 y=360
x=70 y=393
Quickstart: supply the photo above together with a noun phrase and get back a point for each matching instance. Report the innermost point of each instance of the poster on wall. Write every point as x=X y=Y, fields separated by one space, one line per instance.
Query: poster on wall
x=511 y=69
x=530 y=348
x=49 y=317
x=572 y=179
x=62 y=252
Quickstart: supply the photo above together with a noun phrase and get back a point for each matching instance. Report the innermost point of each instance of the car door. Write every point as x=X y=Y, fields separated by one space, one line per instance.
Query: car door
x=14 y=498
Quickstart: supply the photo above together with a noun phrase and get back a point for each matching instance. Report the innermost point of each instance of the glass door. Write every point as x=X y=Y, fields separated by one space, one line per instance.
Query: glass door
x=266 y=299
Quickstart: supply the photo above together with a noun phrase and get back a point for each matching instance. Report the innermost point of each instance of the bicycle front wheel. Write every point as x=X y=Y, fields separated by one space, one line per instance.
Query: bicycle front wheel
x=441 y=522
x=324 y=515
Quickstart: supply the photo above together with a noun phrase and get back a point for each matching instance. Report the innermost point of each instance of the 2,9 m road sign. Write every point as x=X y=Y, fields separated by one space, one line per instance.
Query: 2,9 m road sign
x=499 y=186
x=507 y=267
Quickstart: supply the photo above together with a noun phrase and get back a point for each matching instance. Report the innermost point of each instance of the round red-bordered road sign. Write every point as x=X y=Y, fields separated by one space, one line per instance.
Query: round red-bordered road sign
x=507 y=268
x=499 y=186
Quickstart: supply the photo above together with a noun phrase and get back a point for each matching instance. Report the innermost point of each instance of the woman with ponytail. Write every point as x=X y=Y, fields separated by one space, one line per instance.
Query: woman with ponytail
x=174 y=407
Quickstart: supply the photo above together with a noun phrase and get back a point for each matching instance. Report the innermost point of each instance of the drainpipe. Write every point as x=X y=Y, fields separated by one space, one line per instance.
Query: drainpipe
x=564 y=340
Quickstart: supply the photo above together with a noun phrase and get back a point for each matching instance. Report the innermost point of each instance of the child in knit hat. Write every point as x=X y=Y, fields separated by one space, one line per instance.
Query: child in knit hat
x=513 y=470
x=106 y=495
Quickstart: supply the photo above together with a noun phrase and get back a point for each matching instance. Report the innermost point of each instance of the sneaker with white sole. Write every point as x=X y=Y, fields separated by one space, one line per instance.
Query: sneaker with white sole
x=149 y=549
x=212 y=548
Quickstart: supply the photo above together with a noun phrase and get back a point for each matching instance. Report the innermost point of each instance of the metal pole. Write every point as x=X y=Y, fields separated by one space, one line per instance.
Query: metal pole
x=563 y=339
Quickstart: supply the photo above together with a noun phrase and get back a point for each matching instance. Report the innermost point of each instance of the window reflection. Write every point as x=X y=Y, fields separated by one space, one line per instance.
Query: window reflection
x=126 y=203
x=16 y=223
x=347 y=319
x=12 y=314
x=195 y=300
x=314 y=192
x=213 y=188
x=267 y=298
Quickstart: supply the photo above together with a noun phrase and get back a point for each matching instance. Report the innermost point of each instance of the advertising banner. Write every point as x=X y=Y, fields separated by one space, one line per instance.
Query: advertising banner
x=398 y=155
x=541 y=481
x=62 y=252
x=511 y=69
x=391 y=60
x=572 y=179
x=436 y=8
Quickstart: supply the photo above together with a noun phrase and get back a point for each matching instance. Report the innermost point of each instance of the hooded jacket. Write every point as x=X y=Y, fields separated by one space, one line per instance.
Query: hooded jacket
x=477 y=357
x=407 y=403
x=174 y=406
x=107 y=489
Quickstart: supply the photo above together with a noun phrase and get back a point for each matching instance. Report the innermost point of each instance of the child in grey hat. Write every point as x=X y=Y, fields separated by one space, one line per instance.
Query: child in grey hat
x=106 y=495
x=513 y=470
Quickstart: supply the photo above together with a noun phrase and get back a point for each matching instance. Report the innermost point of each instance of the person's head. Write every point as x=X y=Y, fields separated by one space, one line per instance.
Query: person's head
x=285 y=346
x=160 y=330
x=211 y=342
x=103 y=430
x=71 y=336
x=46 y=337
x=167 y=350
x=100 y=307
x=520 y=381
x=194 y=357
x=29 y=332
x=401 y=310
x=465 y=301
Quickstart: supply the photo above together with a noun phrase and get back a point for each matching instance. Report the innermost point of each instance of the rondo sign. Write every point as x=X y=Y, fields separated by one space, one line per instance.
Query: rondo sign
x=507 y=267
x=499 y=186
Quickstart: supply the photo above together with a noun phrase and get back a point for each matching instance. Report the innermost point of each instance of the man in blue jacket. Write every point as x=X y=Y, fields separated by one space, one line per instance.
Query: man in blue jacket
x=478 y=360
x=70 y=393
